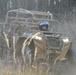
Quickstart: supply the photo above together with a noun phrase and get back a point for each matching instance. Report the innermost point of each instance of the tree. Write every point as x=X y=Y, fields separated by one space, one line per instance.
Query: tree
x=3 y=8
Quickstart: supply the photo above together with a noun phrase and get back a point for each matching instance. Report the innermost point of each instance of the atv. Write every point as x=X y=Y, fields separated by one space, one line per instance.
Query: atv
x=44 y=51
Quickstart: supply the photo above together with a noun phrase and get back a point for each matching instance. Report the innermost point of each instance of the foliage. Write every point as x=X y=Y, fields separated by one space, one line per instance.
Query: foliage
x=54 y=6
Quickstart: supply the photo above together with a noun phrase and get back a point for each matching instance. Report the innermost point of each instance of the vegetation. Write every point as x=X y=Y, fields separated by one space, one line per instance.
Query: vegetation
x=60 y=8
x=54 y=6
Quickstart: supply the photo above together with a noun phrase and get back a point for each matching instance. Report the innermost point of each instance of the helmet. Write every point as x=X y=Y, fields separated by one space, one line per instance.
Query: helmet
x=43 y=25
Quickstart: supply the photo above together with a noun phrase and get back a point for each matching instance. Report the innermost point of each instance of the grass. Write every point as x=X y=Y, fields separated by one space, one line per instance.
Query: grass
x=11 y=69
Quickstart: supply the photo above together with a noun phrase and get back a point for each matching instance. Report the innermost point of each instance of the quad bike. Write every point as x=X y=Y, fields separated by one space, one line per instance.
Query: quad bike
x=44 y=51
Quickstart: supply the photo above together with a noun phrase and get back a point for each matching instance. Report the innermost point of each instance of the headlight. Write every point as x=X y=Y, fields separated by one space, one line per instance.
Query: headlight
x=38 y=38
x=66 y=40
